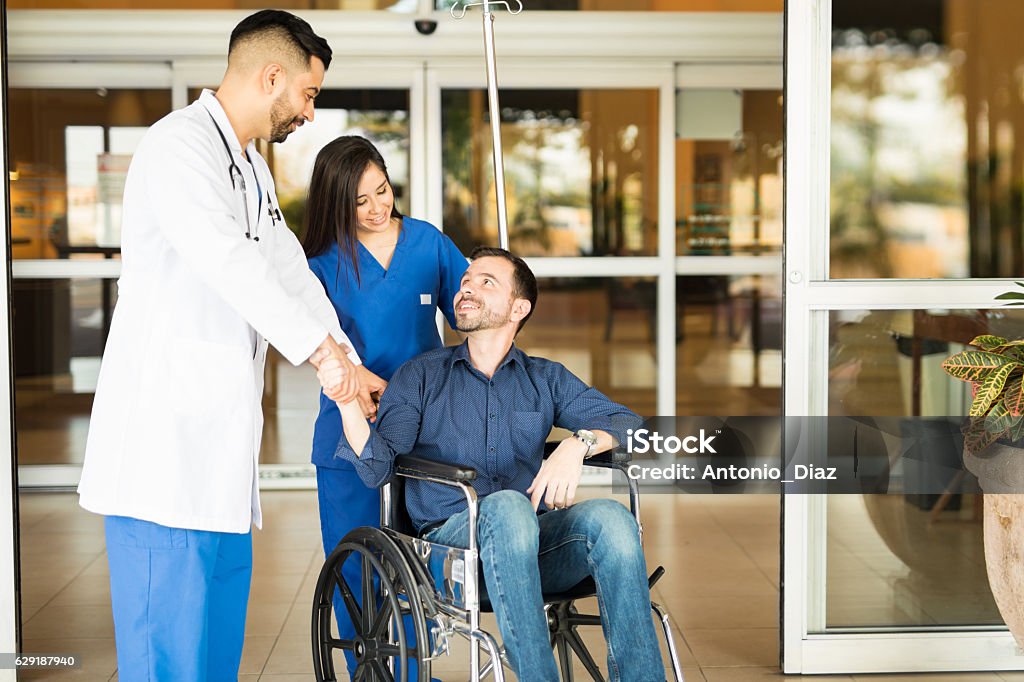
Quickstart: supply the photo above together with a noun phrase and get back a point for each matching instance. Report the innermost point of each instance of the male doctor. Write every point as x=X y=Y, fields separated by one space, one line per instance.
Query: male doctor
x=210 y=275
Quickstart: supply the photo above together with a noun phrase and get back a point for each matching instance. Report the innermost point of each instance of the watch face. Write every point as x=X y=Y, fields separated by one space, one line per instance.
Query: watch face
x=587 y=436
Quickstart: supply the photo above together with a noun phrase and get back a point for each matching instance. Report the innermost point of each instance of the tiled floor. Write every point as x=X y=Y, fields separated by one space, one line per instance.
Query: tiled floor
x=721 y=589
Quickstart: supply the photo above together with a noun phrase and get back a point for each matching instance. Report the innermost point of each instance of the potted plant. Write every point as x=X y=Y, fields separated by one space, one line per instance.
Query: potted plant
x=995 y=427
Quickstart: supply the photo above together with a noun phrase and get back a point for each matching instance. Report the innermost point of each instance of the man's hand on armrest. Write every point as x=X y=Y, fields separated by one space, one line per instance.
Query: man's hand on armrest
x=559 y=475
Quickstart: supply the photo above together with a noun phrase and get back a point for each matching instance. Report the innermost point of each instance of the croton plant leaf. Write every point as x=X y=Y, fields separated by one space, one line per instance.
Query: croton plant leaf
x=976 y=365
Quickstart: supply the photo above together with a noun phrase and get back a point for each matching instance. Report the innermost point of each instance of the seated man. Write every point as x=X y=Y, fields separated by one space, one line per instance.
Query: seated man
x=487 y=405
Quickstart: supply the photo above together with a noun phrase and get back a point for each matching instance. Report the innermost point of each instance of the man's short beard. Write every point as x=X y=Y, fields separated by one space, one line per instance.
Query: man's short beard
x=489 y=320
x=280 y=121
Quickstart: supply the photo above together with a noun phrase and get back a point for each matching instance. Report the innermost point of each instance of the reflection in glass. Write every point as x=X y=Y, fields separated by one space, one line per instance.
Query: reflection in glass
x=580 y=171
x=926 y=153
x=729 y=345
x=906 y=560
x=68 y=164
x=729 y=171
x=60 y=327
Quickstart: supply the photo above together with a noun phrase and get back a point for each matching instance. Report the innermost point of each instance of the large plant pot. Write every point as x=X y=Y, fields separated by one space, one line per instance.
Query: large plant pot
x=1000 y=472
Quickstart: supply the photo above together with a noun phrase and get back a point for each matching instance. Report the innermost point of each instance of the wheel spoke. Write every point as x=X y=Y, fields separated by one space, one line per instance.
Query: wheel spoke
x=381 y=620
x=369 y=596
x=382 y=671
x=351 y=606
x=346 y=644
x=391 y=651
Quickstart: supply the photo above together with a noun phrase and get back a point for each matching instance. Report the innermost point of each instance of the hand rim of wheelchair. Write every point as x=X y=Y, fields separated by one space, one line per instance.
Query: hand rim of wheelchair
x=378 y=552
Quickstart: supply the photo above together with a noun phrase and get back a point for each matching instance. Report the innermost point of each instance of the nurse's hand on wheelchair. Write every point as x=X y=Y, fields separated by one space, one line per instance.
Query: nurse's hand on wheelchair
x=559 y=475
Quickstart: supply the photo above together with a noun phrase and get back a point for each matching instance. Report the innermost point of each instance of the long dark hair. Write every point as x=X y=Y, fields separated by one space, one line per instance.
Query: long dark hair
x=331 y=204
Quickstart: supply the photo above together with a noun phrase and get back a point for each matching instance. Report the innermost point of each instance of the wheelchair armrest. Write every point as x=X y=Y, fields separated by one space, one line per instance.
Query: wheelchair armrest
x=609 y=458
x=605 y=460
x=407 y=465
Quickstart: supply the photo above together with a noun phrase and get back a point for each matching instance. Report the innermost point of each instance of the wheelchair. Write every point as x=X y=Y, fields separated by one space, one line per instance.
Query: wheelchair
x=415 y=596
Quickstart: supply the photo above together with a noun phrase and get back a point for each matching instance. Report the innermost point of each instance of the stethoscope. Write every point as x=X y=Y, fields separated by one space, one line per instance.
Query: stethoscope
x=238 y=183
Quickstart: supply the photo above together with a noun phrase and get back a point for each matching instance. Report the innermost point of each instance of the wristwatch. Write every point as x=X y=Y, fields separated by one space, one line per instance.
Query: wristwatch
x=589 y=439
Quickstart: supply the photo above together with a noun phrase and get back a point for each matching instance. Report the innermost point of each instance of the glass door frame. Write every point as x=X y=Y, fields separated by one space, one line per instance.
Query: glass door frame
x=807 y=647
x=580 y=58
x=10 y=605
x=531 y=73
x=666 y=76
x=26 y=73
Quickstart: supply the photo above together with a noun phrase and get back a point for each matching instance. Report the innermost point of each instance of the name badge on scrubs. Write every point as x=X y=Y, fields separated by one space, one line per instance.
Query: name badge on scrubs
x=425 y=299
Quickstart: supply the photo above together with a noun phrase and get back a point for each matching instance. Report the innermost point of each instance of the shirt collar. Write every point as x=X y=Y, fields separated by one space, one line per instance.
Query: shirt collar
x=213 y=105
x=514 y=354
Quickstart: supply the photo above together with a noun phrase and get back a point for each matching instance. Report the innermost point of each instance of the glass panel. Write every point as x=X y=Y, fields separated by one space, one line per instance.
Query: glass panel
x=602 y=329
x=60 y=327
x=926 y=153
x=729 y=345
x=906 y=560
x=68 y=164
x=381 y=116
x=290 y=401
x=292 y=5
x=729 y=171
x=580 y=171
x=645 y=5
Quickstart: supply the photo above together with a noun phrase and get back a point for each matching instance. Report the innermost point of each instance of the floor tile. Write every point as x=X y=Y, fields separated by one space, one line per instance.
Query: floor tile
x=744 y=674
x=735 y=647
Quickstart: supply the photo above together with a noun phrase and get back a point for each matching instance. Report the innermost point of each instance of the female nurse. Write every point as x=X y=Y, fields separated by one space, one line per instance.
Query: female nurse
x=386 y=275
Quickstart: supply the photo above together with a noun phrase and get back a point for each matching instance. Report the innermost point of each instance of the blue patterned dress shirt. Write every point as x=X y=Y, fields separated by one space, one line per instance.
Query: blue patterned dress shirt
x=439 y=407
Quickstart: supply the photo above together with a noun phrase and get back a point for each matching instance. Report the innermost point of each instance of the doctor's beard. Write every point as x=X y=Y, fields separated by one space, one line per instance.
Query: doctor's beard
x=281 y=120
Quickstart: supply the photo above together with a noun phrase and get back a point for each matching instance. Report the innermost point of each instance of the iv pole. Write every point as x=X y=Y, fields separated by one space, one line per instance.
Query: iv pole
x=459 y=11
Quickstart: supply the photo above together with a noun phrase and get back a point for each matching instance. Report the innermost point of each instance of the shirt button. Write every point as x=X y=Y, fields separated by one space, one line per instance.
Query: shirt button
x=492 y=449
x=490 y=383
x=492 y=415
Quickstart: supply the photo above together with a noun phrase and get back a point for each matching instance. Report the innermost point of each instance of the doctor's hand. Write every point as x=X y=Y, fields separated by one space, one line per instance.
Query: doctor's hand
x=341 y=381
x=330 y=373
x=370 y=388
x=559 y=475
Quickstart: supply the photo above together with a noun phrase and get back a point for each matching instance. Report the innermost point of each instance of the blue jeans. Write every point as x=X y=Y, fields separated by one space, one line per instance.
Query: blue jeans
x=524 y=554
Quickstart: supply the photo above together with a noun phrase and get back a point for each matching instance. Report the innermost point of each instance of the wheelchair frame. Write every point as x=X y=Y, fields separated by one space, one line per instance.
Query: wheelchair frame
x=407 y=576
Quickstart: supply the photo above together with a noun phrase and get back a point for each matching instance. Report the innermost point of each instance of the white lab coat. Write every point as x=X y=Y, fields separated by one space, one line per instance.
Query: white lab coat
x=177 y=420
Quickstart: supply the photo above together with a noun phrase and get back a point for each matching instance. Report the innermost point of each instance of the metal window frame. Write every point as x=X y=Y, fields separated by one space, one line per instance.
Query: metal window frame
x=806 y=644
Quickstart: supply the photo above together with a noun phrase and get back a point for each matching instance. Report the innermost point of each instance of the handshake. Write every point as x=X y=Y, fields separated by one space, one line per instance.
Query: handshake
x=342 y=381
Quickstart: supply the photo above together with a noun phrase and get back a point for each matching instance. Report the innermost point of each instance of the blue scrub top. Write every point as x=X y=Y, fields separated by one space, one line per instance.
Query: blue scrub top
x=389 y=315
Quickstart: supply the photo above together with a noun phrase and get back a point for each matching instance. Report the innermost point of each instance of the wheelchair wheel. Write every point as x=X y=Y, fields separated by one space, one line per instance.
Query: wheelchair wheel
x=385 y=598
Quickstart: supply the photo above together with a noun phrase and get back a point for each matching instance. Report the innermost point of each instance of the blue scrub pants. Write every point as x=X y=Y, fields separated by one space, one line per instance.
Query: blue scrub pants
x=345 y=504
x=179 y=598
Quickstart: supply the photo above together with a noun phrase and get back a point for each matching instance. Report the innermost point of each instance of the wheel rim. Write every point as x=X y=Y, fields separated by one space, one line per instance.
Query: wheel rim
x=384 y=576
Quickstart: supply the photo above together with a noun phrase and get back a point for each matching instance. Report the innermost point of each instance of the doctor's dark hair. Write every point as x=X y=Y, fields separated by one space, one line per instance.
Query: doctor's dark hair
x=331 y=219
x=524 y=283
x=293 y=32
